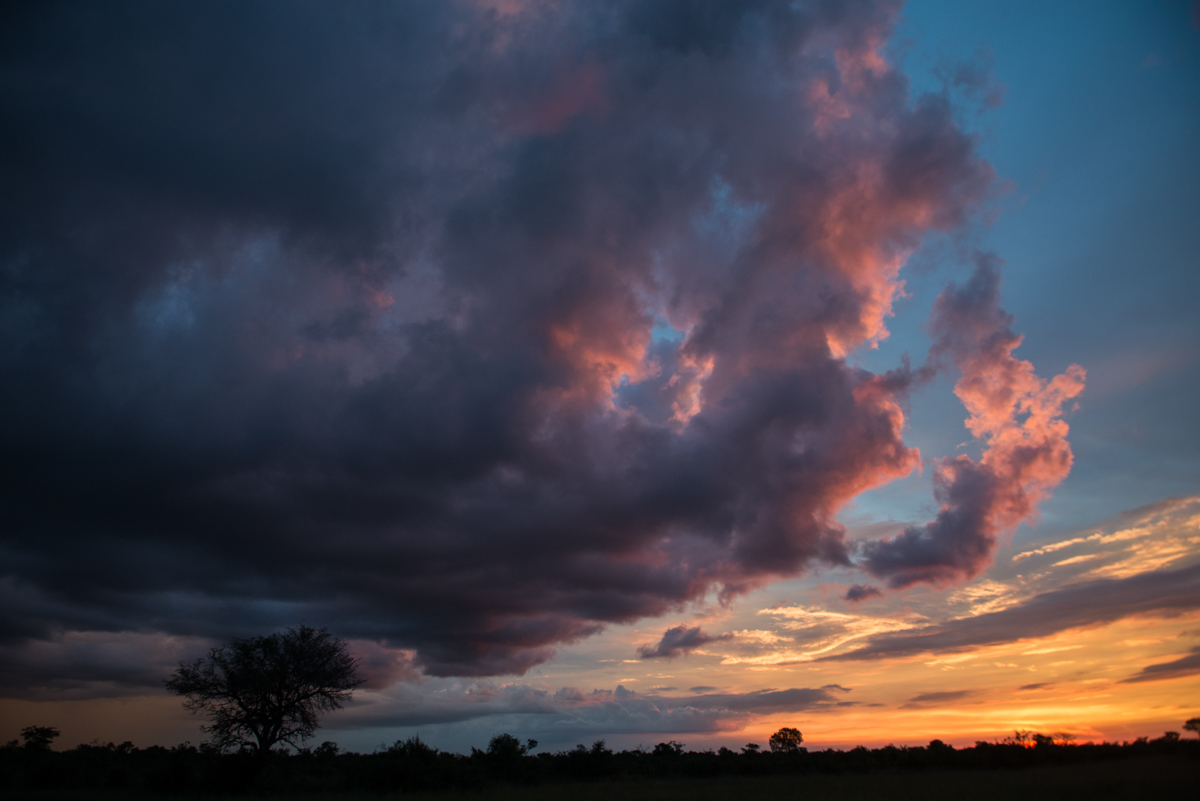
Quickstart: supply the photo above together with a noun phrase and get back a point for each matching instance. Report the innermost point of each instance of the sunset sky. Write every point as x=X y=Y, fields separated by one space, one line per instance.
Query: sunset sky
x=633 y=371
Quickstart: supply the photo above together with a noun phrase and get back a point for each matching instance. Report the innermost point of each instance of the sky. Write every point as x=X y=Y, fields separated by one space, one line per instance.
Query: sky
x=636 y=371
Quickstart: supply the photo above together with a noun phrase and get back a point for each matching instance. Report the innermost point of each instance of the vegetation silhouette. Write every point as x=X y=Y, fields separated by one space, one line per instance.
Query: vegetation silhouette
x=414 y=766
x=786 y=741
x=263 y=691
x=38 y=738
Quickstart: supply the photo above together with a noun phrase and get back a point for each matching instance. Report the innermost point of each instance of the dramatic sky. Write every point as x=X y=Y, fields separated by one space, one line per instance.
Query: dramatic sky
x=639 y=370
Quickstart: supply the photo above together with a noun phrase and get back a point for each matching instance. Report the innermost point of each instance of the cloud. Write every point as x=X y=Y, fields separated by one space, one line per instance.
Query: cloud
x=569 y=711
x=679 y=641
x=1156 y=536
x=1018 y=418
x=77 y=665
x=346 y=317
x=804 y=634
x=937 y=699
x=861 y=592
x=380 y=667
x=1184 y=666
x=97 y=664
x=1090 y=603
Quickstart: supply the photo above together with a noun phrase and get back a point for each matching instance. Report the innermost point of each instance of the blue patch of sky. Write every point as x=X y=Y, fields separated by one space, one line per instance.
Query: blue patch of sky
x=663 y=331
x=727 y=217
x=1100 y=230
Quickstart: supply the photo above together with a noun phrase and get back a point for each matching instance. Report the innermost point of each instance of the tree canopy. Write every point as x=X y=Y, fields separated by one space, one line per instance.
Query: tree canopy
x=786 y=741
x=38 y=738
x=263 y=691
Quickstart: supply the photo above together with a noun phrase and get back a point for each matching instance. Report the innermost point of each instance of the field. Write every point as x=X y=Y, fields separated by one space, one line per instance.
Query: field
x=1150 y=777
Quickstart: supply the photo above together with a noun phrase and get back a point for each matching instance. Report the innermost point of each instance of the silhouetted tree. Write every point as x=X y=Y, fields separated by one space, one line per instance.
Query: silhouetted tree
x=668 y=749
x=267 y=690
x=786 y=741
x=1021 y=737
x=505 y=746
x=38 y=738
x=1193 y=725
x=326 y=750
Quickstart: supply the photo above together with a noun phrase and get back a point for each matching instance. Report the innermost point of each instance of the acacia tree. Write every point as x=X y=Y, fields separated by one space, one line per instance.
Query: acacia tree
x=38 y=738
x=267 y=690
x=786 y=741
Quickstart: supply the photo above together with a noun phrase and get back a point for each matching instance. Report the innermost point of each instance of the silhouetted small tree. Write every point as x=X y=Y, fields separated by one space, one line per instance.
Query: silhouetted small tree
x=1021 y=737
x=267 y=690
x=505 y=746
x=1193 y=725
x=38 y=738
x=668 y=749
x=786 y=741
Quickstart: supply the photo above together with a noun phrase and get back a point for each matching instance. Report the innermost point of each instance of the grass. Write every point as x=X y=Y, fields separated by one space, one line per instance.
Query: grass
x=1157 y=777
x=1145 y=778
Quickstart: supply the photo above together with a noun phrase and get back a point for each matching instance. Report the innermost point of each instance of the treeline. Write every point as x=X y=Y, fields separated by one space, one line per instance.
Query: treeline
x=412 y=765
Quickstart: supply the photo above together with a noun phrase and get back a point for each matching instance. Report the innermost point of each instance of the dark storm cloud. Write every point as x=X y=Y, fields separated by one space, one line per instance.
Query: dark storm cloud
x=1184 y=666
x=1162 y=592
x=92 y=665
x=861 y=592
x=679 y=641
x=343 y=315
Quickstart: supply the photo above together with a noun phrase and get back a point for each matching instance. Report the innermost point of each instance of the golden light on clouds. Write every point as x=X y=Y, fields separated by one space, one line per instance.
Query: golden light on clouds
x=1074 y=680
x=1100 y=675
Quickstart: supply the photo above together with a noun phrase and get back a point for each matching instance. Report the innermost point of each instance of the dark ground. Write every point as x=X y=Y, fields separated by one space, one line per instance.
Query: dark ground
x=1150 y=777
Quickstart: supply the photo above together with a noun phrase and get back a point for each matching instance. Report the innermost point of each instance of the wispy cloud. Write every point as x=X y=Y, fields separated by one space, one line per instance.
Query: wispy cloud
x=1184 y=666
x=945 y=698
x=1160 y=535
x=679 y=641
x=804 y=634
x=1088 y=604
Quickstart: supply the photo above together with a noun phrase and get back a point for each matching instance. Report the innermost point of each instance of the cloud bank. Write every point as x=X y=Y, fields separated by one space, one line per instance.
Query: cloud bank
x=1091 y=603
x=469 y=328
x=1184 y=666
x=570 y=712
